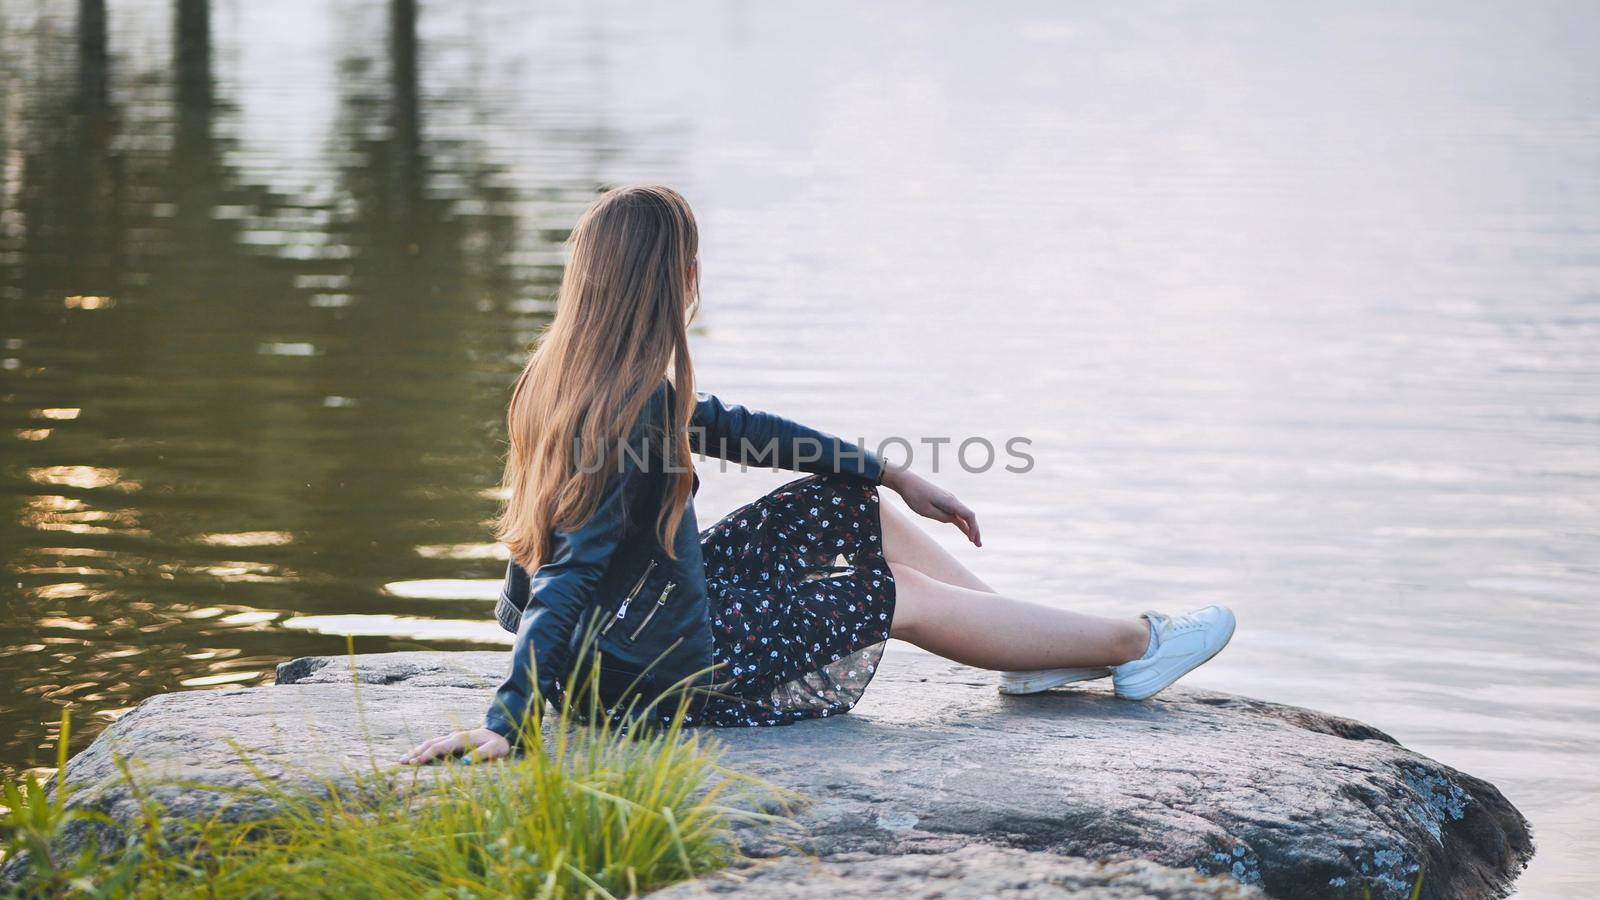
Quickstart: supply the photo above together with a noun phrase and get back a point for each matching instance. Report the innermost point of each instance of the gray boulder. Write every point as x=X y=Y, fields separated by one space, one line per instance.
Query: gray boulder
x=976 y=872
x=933 y=760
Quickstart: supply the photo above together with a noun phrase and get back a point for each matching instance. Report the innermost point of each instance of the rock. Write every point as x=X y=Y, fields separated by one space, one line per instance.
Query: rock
x=970 y=873
x=471 y=669
x=303 y=736
x=933 y=759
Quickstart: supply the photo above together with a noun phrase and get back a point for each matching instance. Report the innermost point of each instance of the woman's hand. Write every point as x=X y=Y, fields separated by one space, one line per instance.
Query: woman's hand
x=927 y=499
x=478 y=745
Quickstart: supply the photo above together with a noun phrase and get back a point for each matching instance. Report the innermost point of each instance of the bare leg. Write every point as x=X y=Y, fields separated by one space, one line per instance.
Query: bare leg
x=906 y=544
x=943 y=608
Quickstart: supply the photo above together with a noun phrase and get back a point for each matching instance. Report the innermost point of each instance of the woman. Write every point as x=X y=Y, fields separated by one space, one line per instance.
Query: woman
x=779 y=611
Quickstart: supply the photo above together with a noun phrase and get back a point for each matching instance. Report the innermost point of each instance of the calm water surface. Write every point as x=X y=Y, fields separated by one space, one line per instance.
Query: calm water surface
x=1300 y=309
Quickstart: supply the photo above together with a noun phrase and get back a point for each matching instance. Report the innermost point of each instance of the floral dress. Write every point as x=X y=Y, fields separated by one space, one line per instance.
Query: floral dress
x=801 y=601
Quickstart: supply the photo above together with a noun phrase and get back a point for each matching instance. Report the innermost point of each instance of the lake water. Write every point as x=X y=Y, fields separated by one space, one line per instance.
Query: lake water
x=1299 y=307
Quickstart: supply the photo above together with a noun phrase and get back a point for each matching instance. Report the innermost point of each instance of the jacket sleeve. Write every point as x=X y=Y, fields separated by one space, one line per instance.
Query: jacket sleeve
x=561 y=591
x=762 y=439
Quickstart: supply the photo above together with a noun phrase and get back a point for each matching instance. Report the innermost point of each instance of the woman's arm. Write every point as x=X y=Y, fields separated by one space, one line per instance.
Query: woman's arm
x=928 y=499
x=561 y=590
x=746 y=436
x=755 y=438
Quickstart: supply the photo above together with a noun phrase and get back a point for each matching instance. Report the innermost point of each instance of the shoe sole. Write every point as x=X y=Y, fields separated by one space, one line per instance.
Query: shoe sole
x=1233 y=624
x=1046 y=679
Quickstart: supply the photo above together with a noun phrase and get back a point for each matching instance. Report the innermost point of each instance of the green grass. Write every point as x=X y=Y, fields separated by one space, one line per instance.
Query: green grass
x=602 y=813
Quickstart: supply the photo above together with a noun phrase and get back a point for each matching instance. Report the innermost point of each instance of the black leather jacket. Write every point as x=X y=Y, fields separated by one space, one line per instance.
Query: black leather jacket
x=611 y=580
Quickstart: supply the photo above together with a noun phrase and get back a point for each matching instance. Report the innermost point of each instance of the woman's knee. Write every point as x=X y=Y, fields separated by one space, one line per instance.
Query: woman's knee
x=892 y=525
x=912 y=600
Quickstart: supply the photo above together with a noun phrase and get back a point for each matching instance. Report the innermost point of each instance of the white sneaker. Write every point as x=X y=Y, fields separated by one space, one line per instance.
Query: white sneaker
x=1183 y=644
x=1036 y=680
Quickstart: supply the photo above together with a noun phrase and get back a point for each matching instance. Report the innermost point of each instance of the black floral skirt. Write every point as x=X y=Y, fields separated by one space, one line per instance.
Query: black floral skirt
x=801 y=601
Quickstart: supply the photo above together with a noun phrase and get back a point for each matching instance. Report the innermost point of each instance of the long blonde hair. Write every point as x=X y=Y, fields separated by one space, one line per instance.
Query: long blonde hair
x=621 y=321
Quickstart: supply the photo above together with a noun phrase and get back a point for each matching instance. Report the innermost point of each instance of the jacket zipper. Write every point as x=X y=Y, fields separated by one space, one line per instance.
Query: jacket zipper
x=622 y=611
x=660 y=602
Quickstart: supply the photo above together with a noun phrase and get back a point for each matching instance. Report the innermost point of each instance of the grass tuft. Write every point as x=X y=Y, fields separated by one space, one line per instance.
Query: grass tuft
x=602 y=812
